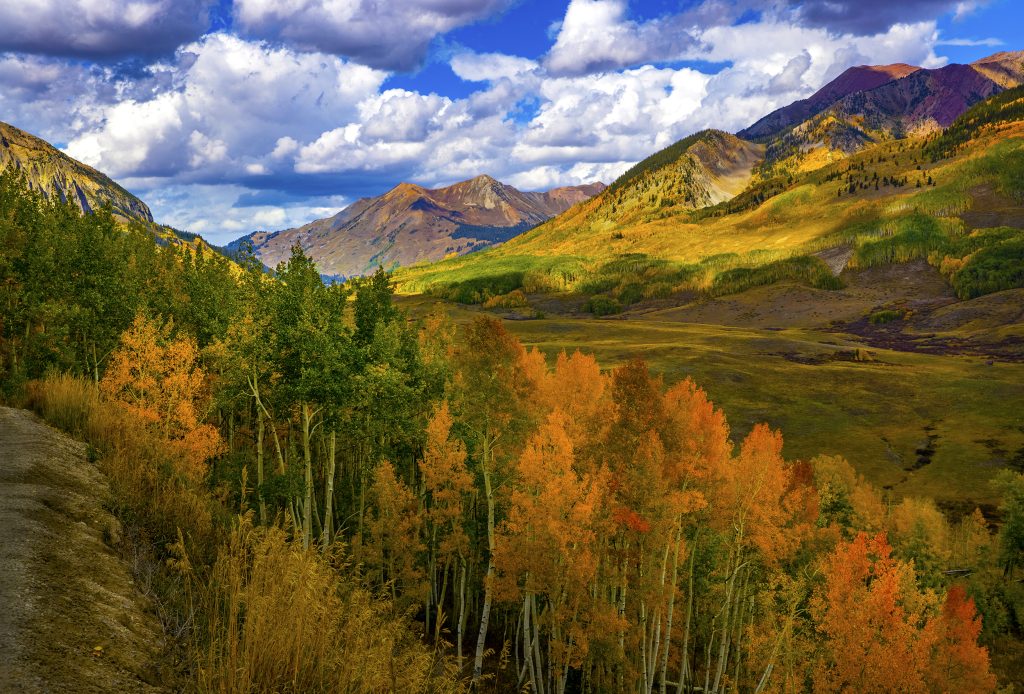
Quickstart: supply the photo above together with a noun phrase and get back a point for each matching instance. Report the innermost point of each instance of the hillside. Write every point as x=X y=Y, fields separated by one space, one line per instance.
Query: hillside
x=896 y=199
x=919 y=102
x=54 y=174
x=854 y=79
x=411 y=223
x=704 y=169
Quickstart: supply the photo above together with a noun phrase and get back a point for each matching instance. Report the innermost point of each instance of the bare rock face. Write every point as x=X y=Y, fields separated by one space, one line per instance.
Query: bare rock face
x=410 y=223
x=56 y=175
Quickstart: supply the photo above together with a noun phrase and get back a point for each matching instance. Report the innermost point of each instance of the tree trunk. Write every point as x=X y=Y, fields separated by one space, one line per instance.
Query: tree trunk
x=462 y=611
x=328 y=527
x=307 y=502
x=671 y=608
x=260 y=426
x=485 y=613
x=684 y=657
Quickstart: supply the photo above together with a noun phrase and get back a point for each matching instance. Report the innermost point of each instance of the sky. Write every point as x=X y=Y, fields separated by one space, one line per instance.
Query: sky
x=230 y=116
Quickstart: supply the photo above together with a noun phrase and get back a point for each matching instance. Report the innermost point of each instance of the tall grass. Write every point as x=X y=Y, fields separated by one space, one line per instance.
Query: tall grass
x=254 y=612
x=281 y=619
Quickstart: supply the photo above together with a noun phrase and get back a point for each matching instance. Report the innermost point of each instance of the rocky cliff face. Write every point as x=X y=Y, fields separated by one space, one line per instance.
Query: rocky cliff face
x=56 y=175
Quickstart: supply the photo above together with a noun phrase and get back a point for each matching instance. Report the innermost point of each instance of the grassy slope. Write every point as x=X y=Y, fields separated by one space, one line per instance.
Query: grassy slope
x=807 y=217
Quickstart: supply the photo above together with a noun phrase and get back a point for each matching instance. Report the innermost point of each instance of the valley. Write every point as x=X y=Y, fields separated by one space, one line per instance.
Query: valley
x=748 y=418
x=809 y=362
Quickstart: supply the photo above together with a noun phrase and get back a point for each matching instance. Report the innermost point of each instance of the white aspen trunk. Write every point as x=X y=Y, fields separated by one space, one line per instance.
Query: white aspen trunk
x=485 y=613
x=307 y=501
x=535 y=638
x=260 y=430
x=462 y=611
x=531 y=663
x=671 y=608
x=328 y=528
x=684 y=665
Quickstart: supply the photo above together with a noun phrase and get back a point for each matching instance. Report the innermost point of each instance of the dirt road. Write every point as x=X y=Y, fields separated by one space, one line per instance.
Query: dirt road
x=71 y=619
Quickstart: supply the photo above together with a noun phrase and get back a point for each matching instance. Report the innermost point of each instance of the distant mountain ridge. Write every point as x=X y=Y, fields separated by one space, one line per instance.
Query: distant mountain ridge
x=895 y=101
x=56 y=175
x=854 y=79
x=411 y=223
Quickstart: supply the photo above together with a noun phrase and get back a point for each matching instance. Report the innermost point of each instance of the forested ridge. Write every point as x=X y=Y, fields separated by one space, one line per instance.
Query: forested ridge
x=334 y=497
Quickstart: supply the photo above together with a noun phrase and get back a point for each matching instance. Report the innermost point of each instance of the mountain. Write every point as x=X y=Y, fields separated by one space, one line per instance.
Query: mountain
x=1005 y=69
x=897 y=171
x=704 y=169
x=411 y=223
x=918 y=102
x=54 y=174
x=855 y=79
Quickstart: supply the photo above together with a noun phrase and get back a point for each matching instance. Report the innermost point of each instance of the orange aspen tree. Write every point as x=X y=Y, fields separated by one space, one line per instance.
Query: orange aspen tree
x=156 y=378
x=958 y=663
x=394 y=535
x=548 y=554
x=446 y=484
x=870 y=616
x=493 y=398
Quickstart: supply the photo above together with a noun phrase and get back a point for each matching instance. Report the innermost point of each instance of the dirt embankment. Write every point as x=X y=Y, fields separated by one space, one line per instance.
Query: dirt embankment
x=71 y=618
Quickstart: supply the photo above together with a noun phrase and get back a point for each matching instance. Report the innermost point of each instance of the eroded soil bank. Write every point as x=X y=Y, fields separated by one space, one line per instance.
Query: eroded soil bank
x=71 y=617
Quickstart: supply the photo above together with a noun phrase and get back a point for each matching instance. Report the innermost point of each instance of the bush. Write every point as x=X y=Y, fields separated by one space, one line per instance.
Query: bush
x=514 y=299
x=603 y=305
x=885 y=316
x=991 y=269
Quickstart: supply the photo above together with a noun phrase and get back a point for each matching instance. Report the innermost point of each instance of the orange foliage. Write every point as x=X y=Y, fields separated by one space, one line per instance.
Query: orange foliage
x=447 y=480
x=869 y=613
x=959 y=664
x=156 y=378
x=760 y=482
x=395 y=533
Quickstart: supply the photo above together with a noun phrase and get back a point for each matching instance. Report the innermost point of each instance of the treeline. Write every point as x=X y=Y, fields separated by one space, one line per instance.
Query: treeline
x=353 y=501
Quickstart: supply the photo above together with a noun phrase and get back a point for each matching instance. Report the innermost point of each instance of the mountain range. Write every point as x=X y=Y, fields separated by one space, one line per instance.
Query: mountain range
x=410 y=223
x=711 y=173
x=839 y=170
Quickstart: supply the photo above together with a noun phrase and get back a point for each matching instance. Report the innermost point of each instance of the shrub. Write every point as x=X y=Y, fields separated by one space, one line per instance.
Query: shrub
x=603 y=305
x=885 y=316
x=991 y=269
x=514 y=299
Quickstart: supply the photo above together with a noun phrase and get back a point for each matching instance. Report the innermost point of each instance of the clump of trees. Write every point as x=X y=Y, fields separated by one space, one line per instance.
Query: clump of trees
x=493 y=515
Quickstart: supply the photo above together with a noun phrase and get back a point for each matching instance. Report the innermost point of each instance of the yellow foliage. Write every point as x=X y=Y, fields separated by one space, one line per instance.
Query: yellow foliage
x=281 y=619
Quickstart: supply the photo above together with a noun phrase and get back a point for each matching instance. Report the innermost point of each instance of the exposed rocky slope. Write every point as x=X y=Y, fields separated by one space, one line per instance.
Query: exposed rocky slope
x=56 y=175
x=855 y=79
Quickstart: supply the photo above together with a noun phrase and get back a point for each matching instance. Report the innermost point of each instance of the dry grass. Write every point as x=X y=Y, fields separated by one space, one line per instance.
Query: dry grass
x=253 y=610
x=282 y=619
x=149 y=490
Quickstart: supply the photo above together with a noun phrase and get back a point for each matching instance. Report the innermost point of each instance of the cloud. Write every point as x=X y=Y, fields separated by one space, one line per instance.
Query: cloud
x=489 y=67
x=992 y=42
x=229 y=134
x=231 y=108
x=222 y=213
x=864 y=17
x=101 y=29
x=387 y=34
x=596 y=35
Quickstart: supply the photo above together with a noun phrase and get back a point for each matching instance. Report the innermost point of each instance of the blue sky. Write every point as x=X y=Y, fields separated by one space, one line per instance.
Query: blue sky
x=229 y=116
